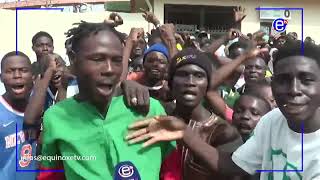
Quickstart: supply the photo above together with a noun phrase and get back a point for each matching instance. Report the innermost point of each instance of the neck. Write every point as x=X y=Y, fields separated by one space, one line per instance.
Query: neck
x=153 y=82
x=19 y=105
x=199 y=113
x=102 y=107
x=53 y=89
x=309 y=126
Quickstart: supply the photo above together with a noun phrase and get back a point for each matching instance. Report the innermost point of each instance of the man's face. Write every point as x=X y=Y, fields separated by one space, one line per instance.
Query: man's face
x=43 y=46
x=138 y=49
x=57 y=77
x=296 y=88
x=98 y=66
x=16 y=76
x=280 y=42
x=155 y=66
x=189 y=85
x=255 y=70
x=247 y=113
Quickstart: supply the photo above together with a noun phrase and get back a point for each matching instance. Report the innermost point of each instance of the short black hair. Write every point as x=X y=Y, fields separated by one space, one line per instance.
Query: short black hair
x=294 y=48
x=254 y=95
x=238 y=44
x=41 y=34
x=84 y=29
x=14 y=53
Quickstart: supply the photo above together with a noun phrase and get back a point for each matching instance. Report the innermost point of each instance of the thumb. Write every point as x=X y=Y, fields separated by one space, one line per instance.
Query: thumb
x=162 y=118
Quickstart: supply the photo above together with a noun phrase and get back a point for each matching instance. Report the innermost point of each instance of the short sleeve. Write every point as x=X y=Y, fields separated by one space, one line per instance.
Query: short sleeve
x=249 y=156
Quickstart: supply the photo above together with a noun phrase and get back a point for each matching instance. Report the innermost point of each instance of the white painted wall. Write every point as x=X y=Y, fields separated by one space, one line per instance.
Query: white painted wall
x=53 y=22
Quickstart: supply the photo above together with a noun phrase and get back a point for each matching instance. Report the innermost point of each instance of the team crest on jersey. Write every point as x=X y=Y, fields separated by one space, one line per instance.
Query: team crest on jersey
x=25 y=155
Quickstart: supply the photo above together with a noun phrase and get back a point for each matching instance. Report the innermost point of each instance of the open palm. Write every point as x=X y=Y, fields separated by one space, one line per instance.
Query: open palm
x=153 y=130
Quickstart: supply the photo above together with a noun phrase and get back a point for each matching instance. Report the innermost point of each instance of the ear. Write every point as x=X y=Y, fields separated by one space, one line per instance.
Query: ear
x=33 y=48
x=72 y=57
x=34 y=77
x=1 y=77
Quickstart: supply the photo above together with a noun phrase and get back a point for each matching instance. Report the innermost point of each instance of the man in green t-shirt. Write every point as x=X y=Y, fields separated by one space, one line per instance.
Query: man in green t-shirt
x=92 y=125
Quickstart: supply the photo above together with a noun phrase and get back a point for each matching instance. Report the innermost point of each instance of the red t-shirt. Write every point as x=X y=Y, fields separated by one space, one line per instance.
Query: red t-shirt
x=171 y=167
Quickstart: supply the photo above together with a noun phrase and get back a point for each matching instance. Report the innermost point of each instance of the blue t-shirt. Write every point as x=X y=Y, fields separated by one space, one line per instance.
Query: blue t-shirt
x=9 y=119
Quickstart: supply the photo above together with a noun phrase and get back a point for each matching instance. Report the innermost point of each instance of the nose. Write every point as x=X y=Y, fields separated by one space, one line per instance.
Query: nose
x=190 y=80
x=295 y=89
x=245 y=115
x=106 y=69
x=17 y=74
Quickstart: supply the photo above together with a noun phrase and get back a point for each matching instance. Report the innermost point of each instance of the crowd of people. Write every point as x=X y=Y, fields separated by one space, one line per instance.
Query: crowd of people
x=179 y=106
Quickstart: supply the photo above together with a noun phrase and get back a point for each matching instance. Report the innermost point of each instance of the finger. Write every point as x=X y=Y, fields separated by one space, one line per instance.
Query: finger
x=163 y=118
x=137 y=133
x=140 y=124
x=139 y=139
x=234 y=10
x=150 y=142
x=146 y=98
x=127 y=93
x=143 y=10
x=264 y=50
x=139 y=95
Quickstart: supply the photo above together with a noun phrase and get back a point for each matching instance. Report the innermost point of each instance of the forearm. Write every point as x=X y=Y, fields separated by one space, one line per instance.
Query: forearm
x=172 y=47
x=125 y=59
x=215 y=45
x=215 y=160
x=217 y=103
x=219 y=76
x=35 y=106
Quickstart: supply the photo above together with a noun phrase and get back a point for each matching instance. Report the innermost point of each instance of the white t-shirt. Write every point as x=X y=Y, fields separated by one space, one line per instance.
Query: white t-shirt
x=274 y=146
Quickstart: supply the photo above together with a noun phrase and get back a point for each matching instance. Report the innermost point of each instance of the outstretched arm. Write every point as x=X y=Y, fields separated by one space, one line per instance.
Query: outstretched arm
x=168 y=128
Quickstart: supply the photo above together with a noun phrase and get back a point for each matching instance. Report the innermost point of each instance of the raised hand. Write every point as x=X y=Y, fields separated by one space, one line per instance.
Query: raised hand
x=150 y=17
x=114 y=20
x=233 y=34
x=167 y=32
x=239 y=14
x=163 y=128
x=136 y=34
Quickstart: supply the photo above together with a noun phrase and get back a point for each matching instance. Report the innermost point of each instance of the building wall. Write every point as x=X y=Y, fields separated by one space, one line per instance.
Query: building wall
x=55 y=23
x=252 y=21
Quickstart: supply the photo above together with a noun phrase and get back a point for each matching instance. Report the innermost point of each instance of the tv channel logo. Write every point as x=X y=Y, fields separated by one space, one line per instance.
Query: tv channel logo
x=280 y=25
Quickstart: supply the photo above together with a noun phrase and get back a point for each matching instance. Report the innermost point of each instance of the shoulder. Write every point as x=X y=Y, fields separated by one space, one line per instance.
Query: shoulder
x=226 y=137
x=60 y=108
x=225 y=132
x=272 y=118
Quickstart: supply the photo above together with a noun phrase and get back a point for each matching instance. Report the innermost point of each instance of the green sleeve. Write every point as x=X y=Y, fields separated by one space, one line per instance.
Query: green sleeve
x=49 y=146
